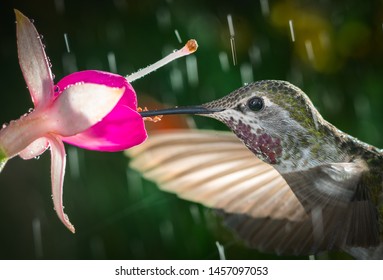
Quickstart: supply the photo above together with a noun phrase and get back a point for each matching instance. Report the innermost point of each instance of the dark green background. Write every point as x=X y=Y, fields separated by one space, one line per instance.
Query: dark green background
x=118 y=215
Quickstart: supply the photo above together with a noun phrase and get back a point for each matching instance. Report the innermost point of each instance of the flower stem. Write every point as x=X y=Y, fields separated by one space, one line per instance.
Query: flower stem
x=190 y=47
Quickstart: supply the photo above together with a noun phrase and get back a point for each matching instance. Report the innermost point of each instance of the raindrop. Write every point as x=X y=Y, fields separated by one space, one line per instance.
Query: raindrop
x=176 y=79
x=37 y=239
x=49 y=61
x=74 y=162
x=41 y=37
x=362 y=106
x=324 y=39
x=53 y=76
x=255 y=55
x=265 y=8
x=232 y=39
x=66 y=216
x=69 y=63
x=192 y=70
x=66 y=42
x=221 y=251
x=296 y=76
x=4 y=125
x=32 y=20
x=233 y=50
x=246 y=73
x=231 y=26
x=56 y=89
x=134 y=183
x=194 y=211
x=291 y=26
x=37 y=157
x=178 y=36
x=112 y=62
x=43 y=46
x=224 y=61
x=309 y=50
x=167 y=230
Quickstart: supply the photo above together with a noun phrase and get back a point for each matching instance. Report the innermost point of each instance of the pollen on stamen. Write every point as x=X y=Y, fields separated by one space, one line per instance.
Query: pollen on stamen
x=189 y=48
x=192 y=45
x=149 y=119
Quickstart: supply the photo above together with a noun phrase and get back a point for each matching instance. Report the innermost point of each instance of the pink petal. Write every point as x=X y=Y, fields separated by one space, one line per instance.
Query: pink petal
x=57 y=176
x=35 y=149
x=120 y=129
x=80 y=106
x=33 y=62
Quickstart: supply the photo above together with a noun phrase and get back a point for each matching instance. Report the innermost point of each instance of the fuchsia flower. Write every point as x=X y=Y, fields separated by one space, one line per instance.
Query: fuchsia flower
x=90 y=109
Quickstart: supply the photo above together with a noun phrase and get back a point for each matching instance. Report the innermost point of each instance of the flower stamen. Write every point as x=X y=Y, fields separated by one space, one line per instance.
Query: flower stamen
x=189 y=48
x=149 y=119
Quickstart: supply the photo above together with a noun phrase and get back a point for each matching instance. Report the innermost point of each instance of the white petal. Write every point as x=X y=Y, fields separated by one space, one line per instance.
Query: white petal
x=33 y=61
x=81 y=106
x=35 y=149
x=57 y=176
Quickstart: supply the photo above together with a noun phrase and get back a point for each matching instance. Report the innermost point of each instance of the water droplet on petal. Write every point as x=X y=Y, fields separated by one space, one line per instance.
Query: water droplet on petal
x=30 y=110
x=4 y=125
x=37 y=157
x=56 y=89
x=31 y=20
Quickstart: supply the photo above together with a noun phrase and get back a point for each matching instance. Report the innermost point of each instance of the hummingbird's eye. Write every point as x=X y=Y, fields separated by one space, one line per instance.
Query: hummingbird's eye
x=255 y=104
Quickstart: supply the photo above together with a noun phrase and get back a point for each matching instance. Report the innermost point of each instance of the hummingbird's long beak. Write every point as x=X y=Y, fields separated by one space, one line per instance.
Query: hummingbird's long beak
x=194 y=110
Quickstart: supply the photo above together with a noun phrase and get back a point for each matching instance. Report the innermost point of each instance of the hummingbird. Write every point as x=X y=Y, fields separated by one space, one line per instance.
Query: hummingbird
x=301 y=187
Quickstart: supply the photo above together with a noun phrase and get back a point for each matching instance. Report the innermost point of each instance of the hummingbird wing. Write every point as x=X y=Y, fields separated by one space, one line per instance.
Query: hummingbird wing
x=215 y=169
x=298 y=212
x=338 y=194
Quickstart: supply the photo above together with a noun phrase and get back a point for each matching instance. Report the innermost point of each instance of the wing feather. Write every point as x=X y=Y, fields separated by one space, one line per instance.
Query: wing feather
x=215 y=169
x=300 y=212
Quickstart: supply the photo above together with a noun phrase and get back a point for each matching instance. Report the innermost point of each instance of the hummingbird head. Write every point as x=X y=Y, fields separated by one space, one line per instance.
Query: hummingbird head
x=274 y=119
